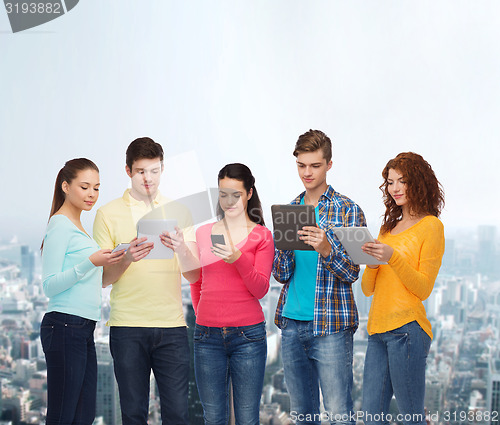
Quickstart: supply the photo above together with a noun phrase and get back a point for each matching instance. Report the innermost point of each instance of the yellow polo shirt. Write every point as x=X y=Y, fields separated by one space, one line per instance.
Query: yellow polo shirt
x=149 y=292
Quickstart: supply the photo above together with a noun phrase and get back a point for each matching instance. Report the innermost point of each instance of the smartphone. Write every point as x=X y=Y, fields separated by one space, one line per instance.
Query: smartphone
x=121 y=246
x=218 y=239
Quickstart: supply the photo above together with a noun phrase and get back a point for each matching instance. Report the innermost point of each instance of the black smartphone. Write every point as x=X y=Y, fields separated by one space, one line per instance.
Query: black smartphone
x=218 y=239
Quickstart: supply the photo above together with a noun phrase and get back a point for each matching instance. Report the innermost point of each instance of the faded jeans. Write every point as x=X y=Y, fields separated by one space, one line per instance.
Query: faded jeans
x=313 y=362
x=230 y=353
x=395 y=364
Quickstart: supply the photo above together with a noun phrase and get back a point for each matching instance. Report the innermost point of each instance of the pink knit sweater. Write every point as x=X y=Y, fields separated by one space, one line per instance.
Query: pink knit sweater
x=228 y=294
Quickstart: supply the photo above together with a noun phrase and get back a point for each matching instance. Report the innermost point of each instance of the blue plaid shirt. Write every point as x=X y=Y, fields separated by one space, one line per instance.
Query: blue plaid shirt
x=334 y=306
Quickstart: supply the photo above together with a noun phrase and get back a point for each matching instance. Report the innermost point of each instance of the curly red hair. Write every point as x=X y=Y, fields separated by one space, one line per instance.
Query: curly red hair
x=423 y=190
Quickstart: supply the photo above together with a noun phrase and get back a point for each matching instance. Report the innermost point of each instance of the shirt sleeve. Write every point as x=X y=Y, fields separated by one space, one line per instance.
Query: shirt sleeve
x=338 y=262
x=420 y=281
x=54 y=279
x=256 y=276
x=196 y=292
x=283 y=265
x=195 y=287
x=101 y=232
x=368 y=281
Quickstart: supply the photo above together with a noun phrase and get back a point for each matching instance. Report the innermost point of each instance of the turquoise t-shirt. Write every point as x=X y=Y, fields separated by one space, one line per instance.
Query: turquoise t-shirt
x=299 y=303
x=70 y=280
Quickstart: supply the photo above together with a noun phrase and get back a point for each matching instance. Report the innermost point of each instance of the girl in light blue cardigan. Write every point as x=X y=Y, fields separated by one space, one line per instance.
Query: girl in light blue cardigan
x=72 y=279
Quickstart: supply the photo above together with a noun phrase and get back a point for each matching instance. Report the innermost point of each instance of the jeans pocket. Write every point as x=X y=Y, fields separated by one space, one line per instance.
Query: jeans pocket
x=254 y=333
x=76 y=322
x=284 y=323
x=200 y=334
x=65 y=319
x=402 y=331
x=46 y=333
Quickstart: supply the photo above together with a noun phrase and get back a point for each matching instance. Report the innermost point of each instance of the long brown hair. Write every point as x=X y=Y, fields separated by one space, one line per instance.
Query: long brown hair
x=67 y=174
x=424 y=192
x=243 y=174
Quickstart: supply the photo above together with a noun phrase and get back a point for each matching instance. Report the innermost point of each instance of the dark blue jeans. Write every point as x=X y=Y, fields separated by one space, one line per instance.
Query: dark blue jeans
x=395 y=364
x=68 y=344
x=138 y=351
x=236 y=353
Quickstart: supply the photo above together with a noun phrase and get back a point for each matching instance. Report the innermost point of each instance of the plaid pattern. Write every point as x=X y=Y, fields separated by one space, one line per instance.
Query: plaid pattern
x=334 y=306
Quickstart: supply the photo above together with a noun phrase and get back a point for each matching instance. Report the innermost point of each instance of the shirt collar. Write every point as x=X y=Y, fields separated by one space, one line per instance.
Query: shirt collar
x=130 y=200
x=329 y=194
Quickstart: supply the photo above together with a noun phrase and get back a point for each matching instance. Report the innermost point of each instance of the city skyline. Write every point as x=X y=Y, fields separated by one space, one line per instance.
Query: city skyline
x=463 y=379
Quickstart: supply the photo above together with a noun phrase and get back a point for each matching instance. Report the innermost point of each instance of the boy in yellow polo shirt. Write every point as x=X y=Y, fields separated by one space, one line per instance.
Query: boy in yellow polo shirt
x=148 y=331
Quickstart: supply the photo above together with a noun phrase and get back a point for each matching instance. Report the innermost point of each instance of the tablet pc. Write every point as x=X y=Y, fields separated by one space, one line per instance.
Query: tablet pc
x=352 y=239
x=152 y=229
x=287 y=220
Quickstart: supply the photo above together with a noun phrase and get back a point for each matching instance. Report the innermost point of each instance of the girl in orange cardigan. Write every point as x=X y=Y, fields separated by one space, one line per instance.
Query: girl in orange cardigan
x=411 y=241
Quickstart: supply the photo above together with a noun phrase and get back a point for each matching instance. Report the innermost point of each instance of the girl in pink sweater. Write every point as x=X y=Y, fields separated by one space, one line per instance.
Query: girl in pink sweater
x=230 y=334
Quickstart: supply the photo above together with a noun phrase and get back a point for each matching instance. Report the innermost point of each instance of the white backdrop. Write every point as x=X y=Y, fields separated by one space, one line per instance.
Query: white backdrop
x=224 y=81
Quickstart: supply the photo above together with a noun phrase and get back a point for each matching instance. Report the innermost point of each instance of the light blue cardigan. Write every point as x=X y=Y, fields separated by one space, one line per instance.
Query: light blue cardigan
x=70 y=280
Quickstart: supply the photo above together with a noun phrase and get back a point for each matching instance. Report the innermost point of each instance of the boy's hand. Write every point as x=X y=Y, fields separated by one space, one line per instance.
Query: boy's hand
x=138 y=249
x=316 y=237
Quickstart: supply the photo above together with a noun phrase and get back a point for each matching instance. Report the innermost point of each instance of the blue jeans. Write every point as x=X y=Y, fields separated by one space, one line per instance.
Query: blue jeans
x=68 y=344
x=313 y=362
x=395 y=364
x=223 y=354
x=137 y=351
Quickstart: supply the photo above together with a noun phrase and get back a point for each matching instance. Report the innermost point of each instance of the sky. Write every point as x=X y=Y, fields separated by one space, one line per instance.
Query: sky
x=222 y=81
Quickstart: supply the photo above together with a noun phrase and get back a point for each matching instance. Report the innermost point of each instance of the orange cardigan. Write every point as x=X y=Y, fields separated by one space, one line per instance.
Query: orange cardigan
x=399 y=287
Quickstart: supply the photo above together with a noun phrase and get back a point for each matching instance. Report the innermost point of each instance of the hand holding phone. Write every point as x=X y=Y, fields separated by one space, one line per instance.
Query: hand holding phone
x=217 y=239
x=121 y=246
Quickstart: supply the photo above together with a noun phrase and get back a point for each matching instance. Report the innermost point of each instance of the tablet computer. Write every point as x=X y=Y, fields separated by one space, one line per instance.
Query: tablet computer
x=352 y=239
x=152 y=229
x=287 y=220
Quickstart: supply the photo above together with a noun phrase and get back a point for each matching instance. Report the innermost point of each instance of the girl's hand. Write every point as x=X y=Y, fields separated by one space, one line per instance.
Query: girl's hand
x=105 y=257
x=379 y=250
x=226 y=253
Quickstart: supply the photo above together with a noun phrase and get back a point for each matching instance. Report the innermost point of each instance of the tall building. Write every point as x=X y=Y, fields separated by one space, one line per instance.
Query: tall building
x=27 y=263
x=21 y=256
x=450 y=255
x=486 y=253
x=194 y=403
x=29 y=348
x=493 y=390
x=269 y=303
x=433 y=395
x=108 y=401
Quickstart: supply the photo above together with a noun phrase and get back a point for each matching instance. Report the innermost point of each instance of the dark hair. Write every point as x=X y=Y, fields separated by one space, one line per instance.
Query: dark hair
x=68 y=174
x=143 y=147
x=243 y=174
x=313 y=140
x=423 y=190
